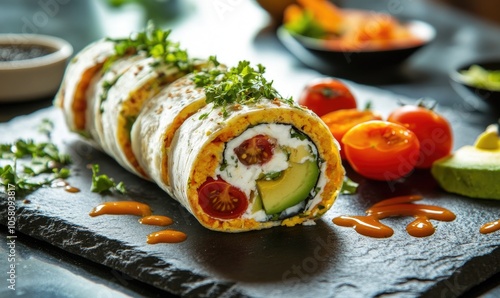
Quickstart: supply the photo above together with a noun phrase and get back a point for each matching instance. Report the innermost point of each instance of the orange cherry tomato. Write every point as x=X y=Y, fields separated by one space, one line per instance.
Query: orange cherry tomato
x=327 y=95
x=339 y=122
x=433 y=132
x=257 y=150
x=381 y=150
x=220 y=199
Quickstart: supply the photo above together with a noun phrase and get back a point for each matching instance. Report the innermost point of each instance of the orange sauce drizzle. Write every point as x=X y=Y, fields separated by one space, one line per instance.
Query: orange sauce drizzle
x=166 y=236
x=71 y=189
x=63 y=183
x=370 y=225
x=490 y=227
x=122 y=207
x=143 y=210
x=156 y=220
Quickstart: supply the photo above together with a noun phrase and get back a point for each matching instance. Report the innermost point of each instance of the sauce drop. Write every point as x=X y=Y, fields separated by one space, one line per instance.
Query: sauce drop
x=490 y=227
x=71 y=189
x=166 y=236
x=156 y=220
x=370 y=225
x=121 y=207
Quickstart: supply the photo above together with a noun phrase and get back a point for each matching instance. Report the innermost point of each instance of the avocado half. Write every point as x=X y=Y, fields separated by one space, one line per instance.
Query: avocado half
x=472 y=171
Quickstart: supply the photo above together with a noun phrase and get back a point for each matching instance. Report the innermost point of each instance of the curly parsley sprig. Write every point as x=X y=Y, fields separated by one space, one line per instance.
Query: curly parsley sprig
x=153 y=42
x=242 y=84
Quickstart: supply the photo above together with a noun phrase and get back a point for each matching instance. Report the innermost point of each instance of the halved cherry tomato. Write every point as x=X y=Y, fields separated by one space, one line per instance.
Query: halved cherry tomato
x=257 y=150
x=381 y=150
x=432 y=130
x=220 y=199
x=326 y=95
x=339 y=122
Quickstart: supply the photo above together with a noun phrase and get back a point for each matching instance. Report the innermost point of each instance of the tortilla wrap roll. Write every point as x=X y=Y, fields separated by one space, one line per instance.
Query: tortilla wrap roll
x=297 y=183
x=123 y=103
x=79 y=75
x=157 y=123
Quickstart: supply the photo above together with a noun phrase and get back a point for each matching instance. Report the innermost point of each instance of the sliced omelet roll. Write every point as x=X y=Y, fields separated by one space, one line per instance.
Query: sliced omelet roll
x=123 y=103
x=78 y=78
x=153 y=131
x=267 y=163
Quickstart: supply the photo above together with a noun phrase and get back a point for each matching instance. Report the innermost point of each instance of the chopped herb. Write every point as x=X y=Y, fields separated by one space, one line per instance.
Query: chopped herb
x=46 y=127
x=153 y=42
x=295 y=133
x=102 y=183
x=33 y=159
x=349 y=187
x=242 y=84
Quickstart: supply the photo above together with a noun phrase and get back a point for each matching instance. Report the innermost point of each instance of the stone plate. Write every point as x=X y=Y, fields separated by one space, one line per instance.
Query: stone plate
x=303 y=261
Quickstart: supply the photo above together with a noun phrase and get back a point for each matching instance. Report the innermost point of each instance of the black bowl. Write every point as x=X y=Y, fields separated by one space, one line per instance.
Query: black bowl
x=315 y=53
x=481 y=99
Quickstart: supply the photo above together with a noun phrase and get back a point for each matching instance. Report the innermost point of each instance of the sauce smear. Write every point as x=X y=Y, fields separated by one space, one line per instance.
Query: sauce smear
x=71 y=189
x=122 y=207
x=370 y=225
x=166 y=236
x=156 y=220
x=490 y=227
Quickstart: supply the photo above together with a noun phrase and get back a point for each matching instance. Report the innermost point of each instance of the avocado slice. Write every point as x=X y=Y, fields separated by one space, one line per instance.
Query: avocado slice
x=291 y=188
x=472 y=171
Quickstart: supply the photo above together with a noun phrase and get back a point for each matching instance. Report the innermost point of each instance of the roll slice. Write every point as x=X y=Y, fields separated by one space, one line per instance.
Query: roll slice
x=266 y=164
x=123 y=103
x=79 y=76
x=154 y=129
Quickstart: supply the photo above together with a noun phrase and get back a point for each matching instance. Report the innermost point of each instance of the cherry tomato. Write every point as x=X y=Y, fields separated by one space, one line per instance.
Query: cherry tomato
x=257 y=150
x=220 y=199
x=327 y=95
x=381 y=150
x=432 y=130
x=339 y=122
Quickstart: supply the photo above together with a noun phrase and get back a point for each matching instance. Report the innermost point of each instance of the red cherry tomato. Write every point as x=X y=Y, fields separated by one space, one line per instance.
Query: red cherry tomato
x=339 y=122
x=220 y=199
x=327 y=95
x=381 y=150
x=257 y=150
x=432 y=130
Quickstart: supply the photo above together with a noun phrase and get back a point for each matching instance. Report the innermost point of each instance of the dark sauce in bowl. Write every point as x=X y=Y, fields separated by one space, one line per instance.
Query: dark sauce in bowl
x=23 y=52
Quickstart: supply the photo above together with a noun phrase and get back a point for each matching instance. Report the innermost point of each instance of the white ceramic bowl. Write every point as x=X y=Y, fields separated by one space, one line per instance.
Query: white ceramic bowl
x=32 y=78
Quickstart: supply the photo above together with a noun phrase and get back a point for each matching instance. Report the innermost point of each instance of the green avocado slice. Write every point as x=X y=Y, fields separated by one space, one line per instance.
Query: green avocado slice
x=471 y=172
x=291 y=188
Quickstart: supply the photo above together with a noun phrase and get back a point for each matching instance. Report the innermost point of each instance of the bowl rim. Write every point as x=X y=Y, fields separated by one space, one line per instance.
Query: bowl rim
x=457 y=77
x=63 y=50
x=422 y=29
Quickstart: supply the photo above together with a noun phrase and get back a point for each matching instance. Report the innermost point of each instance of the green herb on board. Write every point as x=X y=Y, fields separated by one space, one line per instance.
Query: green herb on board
x=349 y=187
x=103 y=183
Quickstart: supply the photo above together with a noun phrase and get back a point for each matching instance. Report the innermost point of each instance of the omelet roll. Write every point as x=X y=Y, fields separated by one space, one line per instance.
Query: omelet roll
x=123 y=103
x=266 y=164
x=72 y=96
x=153 y=131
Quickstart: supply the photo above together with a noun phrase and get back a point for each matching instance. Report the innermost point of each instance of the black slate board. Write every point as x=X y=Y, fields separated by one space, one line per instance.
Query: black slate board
x=304 y=261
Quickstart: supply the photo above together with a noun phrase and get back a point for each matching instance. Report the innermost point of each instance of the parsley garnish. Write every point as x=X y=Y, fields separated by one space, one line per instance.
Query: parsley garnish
x=30 y=159
x=242 y=84
x=102 y=183
x=153 y=42
x=349 y=187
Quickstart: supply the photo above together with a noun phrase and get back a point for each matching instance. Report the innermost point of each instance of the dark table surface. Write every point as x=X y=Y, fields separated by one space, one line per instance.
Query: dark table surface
x=236 y=31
